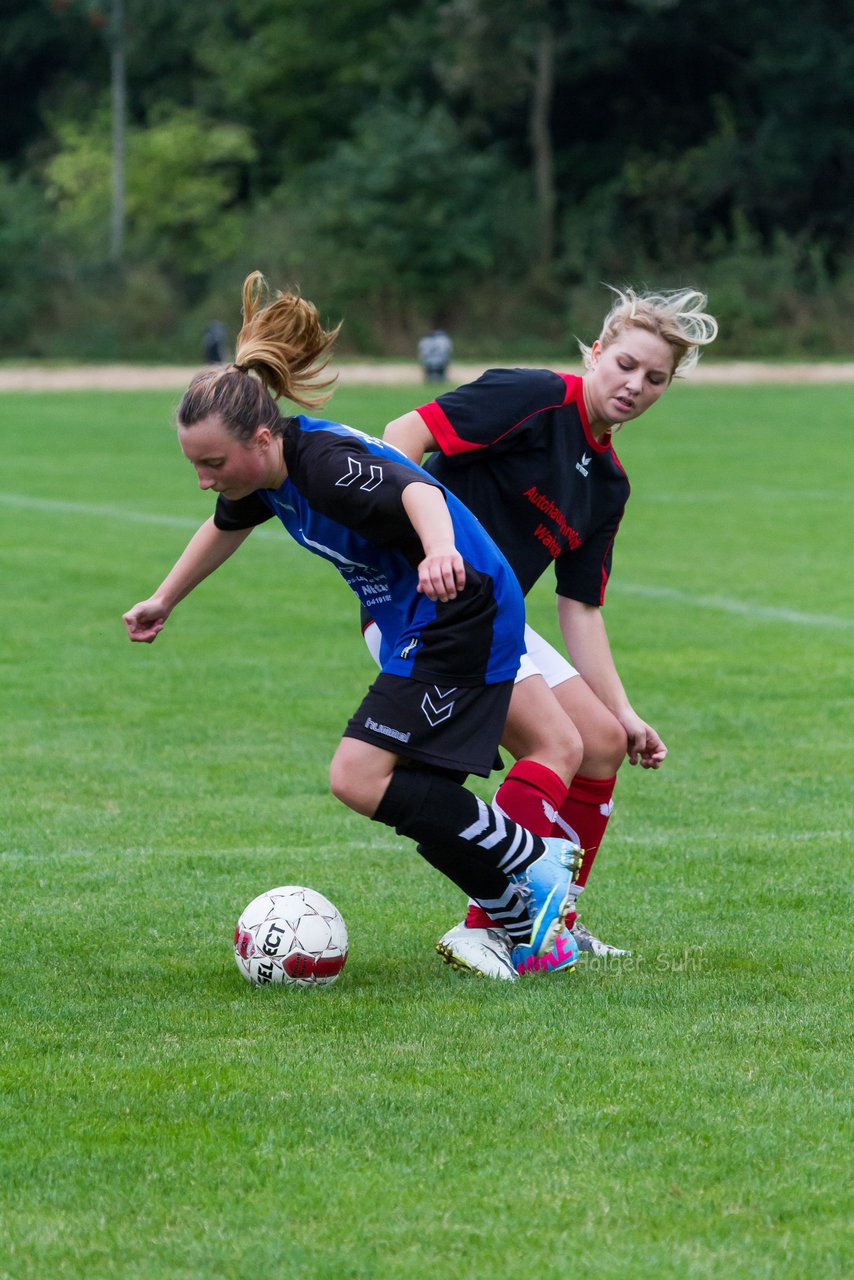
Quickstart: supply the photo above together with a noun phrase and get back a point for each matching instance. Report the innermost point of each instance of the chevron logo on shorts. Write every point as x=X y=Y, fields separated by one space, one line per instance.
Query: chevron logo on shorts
x=440 y=709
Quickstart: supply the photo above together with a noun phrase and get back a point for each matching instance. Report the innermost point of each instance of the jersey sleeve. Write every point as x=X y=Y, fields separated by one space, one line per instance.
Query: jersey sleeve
x=231 y=514
x=361 y=487
x=494 y=409
x=583 y=573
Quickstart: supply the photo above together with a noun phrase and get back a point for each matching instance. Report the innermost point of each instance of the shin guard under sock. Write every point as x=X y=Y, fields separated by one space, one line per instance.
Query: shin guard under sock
x=583 y=818
x=531 y=795
x=470 y=842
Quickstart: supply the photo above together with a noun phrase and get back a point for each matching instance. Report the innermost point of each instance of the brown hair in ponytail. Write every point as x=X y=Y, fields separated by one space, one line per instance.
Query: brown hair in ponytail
x=282 y=349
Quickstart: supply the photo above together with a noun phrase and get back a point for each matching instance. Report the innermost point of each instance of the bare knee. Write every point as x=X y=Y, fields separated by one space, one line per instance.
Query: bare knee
x=351 y=790
x=606 y=748
x=557 y=745
x=605 y=740
x=355 y=779
x=339 y=782
x=570 y=750
x=617 y=743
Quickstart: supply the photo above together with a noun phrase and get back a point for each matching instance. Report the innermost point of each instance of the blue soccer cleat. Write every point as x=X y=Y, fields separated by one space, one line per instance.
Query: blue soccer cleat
x=547 y=886
x=560 y=959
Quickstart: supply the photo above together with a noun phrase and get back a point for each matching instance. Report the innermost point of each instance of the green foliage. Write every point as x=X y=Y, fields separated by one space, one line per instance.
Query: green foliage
x=786 y=289
x=686 y=1109
x=50 y=54
x=183 y=174
x=411 y=159
x=78 y=180
x=105 y=314
x=298 y=75
x=24 y=271
x=373 y=237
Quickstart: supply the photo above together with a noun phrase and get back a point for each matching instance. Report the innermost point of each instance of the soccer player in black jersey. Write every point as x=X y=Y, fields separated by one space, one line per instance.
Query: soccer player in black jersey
x=447 y=599
x=531 y=454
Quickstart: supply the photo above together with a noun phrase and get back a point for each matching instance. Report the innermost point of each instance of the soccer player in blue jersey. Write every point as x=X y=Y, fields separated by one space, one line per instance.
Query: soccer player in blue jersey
x=531 y=453
x=447 y=600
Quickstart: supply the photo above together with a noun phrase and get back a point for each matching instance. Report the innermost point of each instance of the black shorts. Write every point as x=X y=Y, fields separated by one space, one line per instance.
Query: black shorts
x=457 y=729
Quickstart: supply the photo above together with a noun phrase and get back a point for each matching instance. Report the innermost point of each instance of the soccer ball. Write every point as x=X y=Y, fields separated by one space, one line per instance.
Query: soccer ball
x=293 y=936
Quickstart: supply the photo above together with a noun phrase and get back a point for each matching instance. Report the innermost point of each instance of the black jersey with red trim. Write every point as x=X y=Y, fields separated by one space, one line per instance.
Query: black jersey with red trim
x=516 y=447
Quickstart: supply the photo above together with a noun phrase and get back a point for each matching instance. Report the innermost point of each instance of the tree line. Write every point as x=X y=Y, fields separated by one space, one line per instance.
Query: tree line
x=483 y=164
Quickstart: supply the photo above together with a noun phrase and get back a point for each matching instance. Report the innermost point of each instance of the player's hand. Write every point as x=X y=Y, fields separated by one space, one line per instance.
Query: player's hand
x=442 y=575
x=145 y=620
x=645 y=747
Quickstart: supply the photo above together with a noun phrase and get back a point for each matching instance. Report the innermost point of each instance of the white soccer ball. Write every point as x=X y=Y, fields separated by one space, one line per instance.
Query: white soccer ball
x=293 y=936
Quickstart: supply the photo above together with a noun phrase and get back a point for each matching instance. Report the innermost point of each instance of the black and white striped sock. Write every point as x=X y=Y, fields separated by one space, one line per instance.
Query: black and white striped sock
x=434 y=810
x=469 y=841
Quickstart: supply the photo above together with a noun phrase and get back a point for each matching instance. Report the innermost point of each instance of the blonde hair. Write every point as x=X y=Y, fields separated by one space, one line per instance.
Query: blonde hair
x=678 y=316
x=282 y=349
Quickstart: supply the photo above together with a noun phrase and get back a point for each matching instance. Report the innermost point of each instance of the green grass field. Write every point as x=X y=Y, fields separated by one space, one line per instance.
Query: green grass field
x=684 y=1113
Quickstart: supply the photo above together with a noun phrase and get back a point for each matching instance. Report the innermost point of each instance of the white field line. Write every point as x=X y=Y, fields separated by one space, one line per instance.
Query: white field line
x=24 y=503
x=56 y=506
x=719 y=604
x=725 y=604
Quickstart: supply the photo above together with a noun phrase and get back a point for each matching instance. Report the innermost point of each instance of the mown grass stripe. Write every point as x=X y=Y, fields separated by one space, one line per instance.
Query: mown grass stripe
x=720 y=604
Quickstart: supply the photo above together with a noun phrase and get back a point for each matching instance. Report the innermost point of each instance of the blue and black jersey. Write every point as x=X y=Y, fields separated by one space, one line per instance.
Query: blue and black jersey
x=516 y=448
x=342 y=499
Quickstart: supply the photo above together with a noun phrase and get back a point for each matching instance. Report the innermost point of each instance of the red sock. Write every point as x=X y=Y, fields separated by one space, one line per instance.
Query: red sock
x=531 y=795
x=583 y=817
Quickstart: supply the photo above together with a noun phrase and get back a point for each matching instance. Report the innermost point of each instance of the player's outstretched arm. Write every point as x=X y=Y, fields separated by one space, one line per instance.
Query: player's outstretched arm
x=208 y=548
x=441 y=574
x=586 y=640
x=411 y=435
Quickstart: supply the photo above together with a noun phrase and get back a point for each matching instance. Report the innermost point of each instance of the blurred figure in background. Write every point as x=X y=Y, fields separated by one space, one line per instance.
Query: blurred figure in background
x=434 y=355
x=214 y=343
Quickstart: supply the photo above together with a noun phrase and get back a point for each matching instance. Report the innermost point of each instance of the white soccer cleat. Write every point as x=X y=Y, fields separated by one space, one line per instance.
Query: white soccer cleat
x=483 y=952
x=588 y=942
